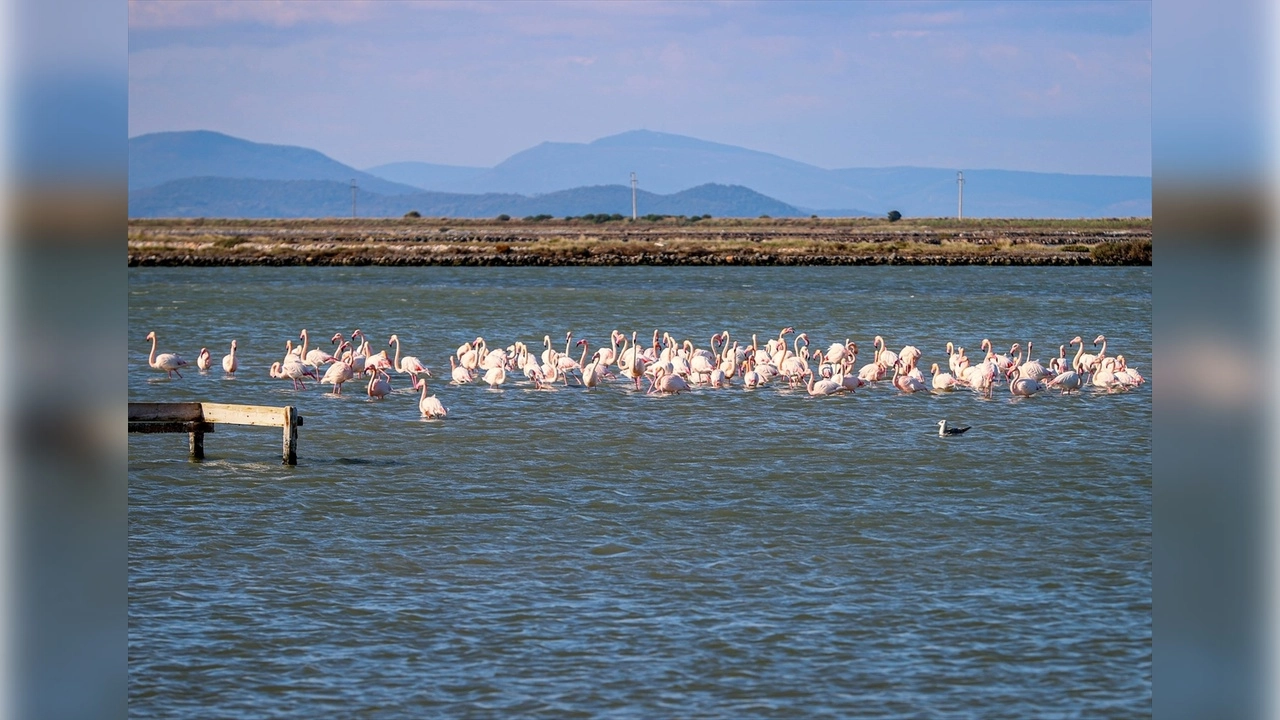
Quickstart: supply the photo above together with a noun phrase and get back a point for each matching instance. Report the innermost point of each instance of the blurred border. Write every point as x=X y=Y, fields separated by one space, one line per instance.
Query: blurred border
x=1213 y=126
x=65 y=79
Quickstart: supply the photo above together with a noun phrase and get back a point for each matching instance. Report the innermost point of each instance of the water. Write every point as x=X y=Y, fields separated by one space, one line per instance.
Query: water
x=569 y=554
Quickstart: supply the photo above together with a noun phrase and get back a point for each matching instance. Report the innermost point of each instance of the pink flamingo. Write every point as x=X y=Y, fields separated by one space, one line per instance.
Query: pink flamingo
x=339 y=372
x=204 y=360
x=409 y=365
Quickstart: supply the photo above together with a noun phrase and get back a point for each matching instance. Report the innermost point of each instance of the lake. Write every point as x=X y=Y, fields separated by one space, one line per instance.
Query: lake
x=582 y=553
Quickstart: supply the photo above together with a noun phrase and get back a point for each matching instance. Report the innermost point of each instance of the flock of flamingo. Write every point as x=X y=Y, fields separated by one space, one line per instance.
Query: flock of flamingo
x=671 y=366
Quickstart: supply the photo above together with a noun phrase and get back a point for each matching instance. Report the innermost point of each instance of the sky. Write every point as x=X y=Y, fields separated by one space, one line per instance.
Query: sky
x=1038 y=86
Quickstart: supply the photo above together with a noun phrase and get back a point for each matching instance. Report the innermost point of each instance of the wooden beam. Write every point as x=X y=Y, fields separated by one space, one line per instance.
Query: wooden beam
x=174 y=426
x=143 y=411
x=244 y=414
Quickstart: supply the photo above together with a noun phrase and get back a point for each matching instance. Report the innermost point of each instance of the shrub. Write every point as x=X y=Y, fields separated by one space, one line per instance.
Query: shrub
x=504 y=217
x=894 y=216
x=1128 y=252
x=413 y=214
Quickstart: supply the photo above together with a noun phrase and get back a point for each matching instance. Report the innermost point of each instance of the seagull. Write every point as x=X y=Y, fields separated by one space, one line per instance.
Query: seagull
x=944 y=431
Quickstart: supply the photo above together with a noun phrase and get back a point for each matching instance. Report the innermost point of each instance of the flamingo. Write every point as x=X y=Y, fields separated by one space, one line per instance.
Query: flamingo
x=338 y=373
x=882 y=355
x=1089 y=361
x=981 y=377
x=822 y=387
x=1127 y=375
x=667 y=384
x=905 y=382
x=168 y=362
x=379 y=384
x=430 y=407
x=461 y=375
x=409 y=365
x=315 y=357
x=1032 y=368
x=1067 y=381
x=943 y=382
x=204 y=360
x=635 y=366
x=1023 y=387
x=1105 y=375
x=229 y=363
x=953 y=358
x=293 y=369
x=495 y=376
x=591 y=370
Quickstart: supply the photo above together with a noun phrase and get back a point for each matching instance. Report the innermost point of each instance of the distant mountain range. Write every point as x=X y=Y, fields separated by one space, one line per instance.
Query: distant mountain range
x=202 y=173
x=247 y=198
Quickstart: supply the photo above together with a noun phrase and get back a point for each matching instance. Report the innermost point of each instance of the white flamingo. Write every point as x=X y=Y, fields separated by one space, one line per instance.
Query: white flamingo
x=1023 y=387
x=822 y=387
x=461 y=375
x=668 y=384
x=495 y=376
x=168 y=362
x=229 y=362
x=943 y=382
x=204 y=360
x=379 y=384
x=430 y=407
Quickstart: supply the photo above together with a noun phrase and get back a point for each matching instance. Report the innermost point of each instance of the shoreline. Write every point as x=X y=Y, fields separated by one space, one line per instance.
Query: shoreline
x=669 y=242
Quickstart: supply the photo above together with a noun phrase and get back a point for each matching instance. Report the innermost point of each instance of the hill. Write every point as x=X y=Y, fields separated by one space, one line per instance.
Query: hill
x=248 y=198
x=160 y=157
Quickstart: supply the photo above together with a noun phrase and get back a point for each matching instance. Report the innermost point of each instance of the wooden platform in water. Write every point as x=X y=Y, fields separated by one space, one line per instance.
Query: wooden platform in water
x=198 y=418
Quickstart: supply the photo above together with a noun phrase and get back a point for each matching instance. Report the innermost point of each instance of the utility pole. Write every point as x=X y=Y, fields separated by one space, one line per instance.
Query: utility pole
x=353 y=198
x=960 y=187
x=633 y=196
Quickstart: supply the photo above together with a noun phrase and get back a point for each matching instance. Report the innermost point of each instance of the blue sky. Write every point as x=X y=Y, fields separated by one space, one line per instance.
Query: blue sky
x=1042 y=86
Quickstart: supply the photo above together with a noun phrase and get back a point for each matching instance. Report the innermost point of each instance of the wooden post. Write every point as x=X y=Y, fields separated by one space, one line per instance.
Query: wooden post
x=197 y=444
x=290 y=435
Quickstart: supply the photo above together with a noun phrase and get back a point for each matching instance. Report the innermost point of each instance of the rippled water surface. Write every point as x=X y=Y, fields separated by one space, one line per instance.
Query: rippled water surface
x=571 y=553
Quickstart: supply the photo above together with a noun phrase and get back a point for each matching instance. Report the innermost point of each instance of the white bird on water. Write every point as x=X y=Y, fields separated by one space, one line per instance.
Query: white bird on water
x=944 y=431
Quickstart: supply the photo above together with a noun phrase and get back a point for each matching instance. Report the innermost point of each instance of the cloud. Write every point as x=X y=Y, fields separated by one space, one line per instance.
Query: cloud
x=155 y=14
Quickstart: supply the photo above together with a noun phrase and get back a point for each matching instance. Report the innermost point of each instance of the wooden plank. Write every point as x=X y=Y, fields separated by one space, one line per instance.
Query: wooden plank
x=172 y=426
x=244 y=414
x=196 y=443
x=143 y=411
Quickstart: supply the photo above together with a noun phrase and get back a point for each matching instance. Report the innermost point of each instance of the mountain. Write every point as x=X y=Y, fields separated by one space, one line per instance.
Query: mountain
x=666 y=163
x=248 y=198
x=427 y=176
x=160 y=157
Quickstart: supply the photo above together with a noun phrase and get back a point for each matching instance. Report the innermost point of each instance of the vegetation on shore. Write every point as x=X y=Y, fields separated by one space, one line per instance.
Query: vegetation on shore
x=607 y=240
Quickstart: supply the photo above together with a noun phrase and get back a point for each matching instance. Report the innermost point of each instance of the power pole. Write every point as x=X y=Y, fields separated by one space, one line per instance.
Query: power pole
x=353 y=198
x=960 y=187
x=633 y=196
